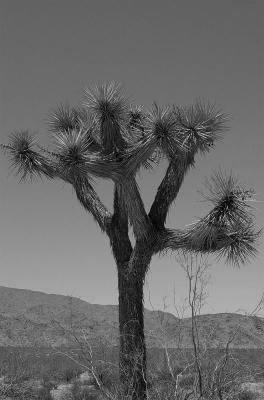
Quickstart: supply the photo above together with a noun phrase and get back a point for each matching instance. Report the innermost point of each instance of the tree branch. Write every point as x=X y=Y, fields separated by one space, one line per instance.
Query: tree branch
x=91 y=202
x=168 y=190
x=29 y=163
x=182 y=133
x=25 y=161
x=227 y=230
x=138 y=217
x=237 y=246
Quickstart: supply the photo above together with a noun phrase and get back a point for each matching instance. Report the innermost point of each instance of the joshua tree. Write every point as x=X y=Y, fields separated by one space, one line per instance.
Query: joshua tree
x=107 y=138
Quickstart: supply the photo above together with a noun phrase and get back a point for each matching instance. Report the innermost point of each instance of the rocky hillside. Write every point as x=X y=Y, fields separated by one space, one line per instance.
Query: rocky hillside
x=29 y=318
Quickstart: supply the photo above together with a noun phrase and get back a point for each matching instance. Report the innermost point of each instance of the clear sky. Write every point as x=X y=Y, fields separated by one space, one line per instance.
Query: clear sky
x=168 y=51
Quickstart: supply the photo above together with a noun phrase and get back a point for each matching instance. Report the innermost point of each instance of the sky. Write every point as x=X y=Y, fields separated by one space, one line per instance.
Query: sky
x=171 y=52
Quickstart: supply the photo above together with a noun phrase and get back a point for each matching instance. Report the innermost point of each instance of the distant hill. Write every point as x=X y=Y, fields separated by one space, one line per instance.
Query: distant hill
x=29 y=318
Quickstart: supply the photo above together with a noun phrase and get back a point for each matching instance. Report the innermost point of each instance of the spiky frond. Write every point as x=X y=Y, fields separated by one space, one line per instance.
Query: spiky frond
x=162 y=122
x=137 y=129
x=72 y=147
x=150 y=131
x=76 y=159
x=25 y=161
x=159 y=136
x=229 y=198
x=65 y=118
x=106 y=101
x=199 y=126
x=227 y=230
x=237 y=246
x=242 y=244
x=136 y=121
x=110 y=110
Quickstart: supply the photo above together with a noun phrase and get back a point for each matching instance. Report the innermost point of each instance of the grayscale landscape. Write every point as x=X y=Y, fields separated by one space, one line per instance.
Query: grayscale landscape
x=42 y=344
x=38 y=319
x=131 y=200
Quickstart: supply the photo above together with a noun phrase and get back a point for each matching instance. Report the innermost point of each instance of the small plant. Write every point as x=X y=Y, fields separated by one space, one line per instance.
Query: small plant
x=69 y=374
x=44 y=394
x=108 y=377
x=15 y=391
x=82 y=392
x=48 y=382
x=187 y=381
x=247 y=395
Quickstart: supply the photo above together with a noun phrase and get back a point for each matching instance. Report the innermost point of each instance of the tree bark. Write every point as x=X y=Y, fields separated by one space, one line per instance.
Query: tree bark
x=132 y=360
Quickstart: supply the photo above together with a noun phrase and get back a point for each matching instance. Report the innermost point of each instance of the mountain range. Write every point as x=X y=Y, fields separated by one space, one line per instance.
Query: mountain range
x=29 y=318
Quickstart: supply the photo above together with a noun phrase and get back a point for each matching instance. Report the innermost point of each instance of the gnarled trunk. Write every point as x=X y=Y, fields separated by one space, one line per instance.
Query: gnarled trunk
x=132 y=361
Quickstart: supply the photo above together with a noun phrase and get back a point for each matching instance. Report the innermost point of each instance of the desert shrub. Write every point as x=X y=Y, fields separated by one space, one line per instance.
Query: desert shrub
x=164 y=374
x=18 y=367
x=20 y=391
x=82 y=392
x=247 y=395
x=44 y=394
x=69 y=374
x=187 y=381
x=48 y=381
x=107 y=376
x=162 y=391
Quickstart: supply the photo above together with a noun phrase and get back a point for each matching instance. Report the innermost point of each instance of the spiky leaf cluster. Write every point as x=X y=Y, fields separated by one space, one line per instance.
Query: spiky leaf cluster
x=72 y=147
x=110 y=110
x=65 y=119
x=25 y=161
x=176 y=133
x=199 y=126
x=136 y=120
x=163 y=125
x=228 y=228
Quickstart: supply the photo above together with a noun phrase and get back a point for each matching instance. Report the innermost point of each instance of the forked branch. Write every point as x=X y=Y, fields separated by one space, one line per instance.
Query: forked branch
x=181 y=132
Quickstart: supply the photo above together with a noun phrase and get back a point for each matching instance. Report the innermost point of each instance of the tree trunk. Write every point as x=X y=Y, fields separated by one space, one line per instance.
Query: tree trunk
x=132 y=264
x=132 y=360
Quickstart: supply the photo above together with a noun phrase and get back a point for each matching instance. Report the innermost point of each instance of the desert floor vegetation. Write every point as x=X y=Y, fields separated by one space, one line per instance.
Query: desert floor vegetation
x=89 y=373
x=239 y=376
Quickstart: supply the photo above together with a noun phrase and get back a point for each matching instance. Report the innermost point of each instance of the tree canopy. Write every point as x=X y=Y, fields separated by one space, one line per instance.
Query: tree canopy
x=108 y=138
